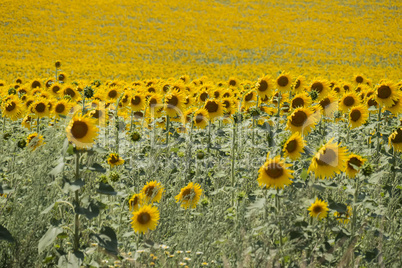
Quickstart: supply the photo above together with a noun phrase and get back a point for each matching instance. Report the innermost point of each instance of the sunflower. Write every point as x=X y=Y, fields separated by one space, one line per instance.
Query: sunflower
x=189 y=195
x=302 y=120
x=358 y=115
x=264 y=86
x=283 y=82
x=229 y=105
x=214 y=108
x=152 y=191
x=72 y=93
x=40 y=107
x=300 y=100
x=274 y=174
x=233 y=82
x=137 y=101
x=202 y=96
x=321 y=89
x=343 y=217
x=347 y=87
x=34 y=141
x=135 y=202
x=386 y=93
x=62 y=107
x=294 y=146
x=396 y=108
x=99 y=112
x=318 y=209
x=395 y=139
x=348 y=101
x=55 y=89
x=155 y=104
x=114 y=160
x=353 y=164
x=12 y=108
x=62 y=77
x=329 y=160
x=249 y=99
x=145 y=218
x=36 y=83
x=174 y=103
x=299 y=84
x=26 y=122
x=359 y=79
x=201 y=118
x=188 y=115
x=112 y=93
x=329 y=105
x=82 y=131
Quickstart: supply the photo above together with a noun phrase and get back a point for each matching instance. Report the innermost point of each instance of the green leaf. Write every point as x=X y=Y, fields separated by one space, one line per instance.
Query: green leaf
x=107 y=239
x=97 y=167
x=49 y=237
x=74 y=186
x=5 y=234
x=304 y=174
x=105 y=188
x=5 y=189
x=71 y=260
x=57 y=169
x=91 y=212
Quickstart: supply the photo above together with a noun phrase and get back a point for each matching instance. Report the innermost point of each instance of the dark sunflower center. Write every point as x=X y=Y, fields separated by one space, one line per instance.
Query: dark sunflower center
x=283 y=81
x=263 y=86
x=298 y=83
x=144 y=218
x=49 y=83
x=18 y=81
x=317 y=86
x=35 y=84
x=70 y=92
x=383 y=92
x=211 y=107
x=398 y=136
x=134 y=201
x=40 y=107
x=317 y=209
x=187 y=194
x=346 y=88
x=226 y=95
x=217 y=94
x=10 y=107
x=248 y=97
x=79 y=129
x=60 y=108
x=325 y=102
x=138 y=114
x=274 y=170
x=354 y=161
x=349 y=101
x=152 y=103
x=136 y=100
x=328 y=157
x=166 y=88
x=150 y=191
x=232 y=82
x=199 y=118
x=96 y=114
x=359 y=79
x=291 y=146
x=226 y=104
x=151 y=90
x=112 y=94
x=337 y=89
x=114 y=159
x=62 y=77
x=173 y=101
x=372 y=102
x=355 y=115
x=297 y=102
x=55 y=89
x=187 y=100
x=203 y=96
x=298 y=119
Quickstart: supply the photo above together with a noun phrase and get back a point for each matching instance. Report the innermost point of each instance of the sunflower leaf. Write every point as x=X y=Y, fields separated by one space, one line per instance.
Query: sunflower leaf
x=107 y=239
x=5 y=234
x=105 y=188
x=48 y=238
x=97 y=167
x=5 y=189
x=91 y=212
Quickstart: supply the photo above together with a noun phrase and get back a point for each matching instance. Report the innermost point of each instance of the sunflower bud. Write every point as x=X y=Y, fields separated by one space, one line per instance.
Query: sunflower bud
x=88 y=92
x=57 y=64
x=237 y=117
x=200 y=155
x=21 y=144
x=114 y=176
x=367 y=169
x=313 y=95
x=205 y=202
x=12 y=91
x=6 y=135
x=135 y=136
x=103 y=179
x=241 y=196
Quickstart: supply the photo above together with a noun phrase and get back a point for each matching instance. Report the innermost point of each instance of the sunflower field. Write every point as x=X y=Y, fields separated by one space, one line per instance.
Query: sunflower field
x=200 y=133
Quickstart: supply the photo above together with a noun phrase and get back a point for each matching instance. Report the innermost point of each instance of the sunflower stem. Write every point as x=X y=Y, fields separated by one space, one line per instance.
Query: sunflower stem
x=232 y=173
x=189 y=151
x=278 y=210
x=167 y=129
x=209 y=136
x=37 y=124
x=77 y=201
x=378 y=131
x=354 y=217
x=131 y=121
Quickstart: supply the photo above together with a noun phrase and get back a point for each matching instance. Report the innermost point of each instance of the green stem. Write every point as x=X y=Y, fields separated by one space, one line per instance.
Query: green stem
x=167 y=129
x=77 y=204
x=209 y=136
x=37 y=124
x=232 y=174
x=354 y=216
x=378 y=131
x=278 y=210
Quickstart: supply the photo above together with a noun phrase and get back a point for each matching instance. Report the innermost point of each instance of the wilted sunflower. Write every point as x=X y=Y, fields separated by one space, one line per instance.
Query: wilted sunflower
x=274 y=174
x=174 y=103
x=201 y=118
x=294 y=146
x=353 y=164
x=152 y=191
x=34 y=141
x=318 y=209
x=329 y=160
x=264 y=86
x=302 y=120
x=145 y=218
x=348 y=101
x=358 y=115
x=329 y=105
x=135 y=202
x=343 y=217
x=214 y=108
x=114 y=159
x=283 y=82
x=189 y=195
x=82 y=131
x=300 y=100
x=386 y=93
x=395 y=139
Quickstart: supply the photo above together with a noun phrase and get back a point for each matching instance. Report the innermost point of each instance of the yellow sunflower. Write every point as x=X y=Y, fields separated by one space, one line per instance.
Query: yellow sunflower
x=12 y=108
x=26 y=122
x=233 y=82
x=329 y=105
x=359 y=79
x=229 y=105
x=153 y=191
x=302 y=120
x=72 y=93
x=145 y=218
x=62 y=77
x=348 y=100
x=284 y=82
x=189 y=195
x=264 y=86
x=62 y=107
x=300 y=100
x=34 y=141
x=321 y=87
x=329 y=160
x=395 y=139
x=201 y=118
x=214 y=108
x=114 y=160
x=36 y=83
x=274 y=174
x=40 y=107
x=343 y=217
x=294 y=146
x=353 y=164
x=396 y=108
x=55 y=89
x=386 y=93
x=249 y=99
x=135 y=202
x=174 y=103
x=319 y=209
x=82 y=131
x=347 y=87
x=137 y=101
x=358 y=115
x=299 y=84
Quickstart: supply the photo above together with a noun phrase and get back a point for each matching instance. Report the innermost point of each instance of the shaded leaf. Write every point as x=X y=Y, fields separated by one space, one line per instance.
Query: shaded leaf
x=5 y=234
x=97 y=167
x=107 y=239
x=105 y=188
x=91 y=212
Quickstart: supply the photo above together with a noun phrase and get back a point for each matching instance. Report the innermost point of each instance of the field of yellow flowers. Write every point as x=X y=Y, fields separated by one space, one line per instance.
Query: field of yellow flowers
x=203 y=133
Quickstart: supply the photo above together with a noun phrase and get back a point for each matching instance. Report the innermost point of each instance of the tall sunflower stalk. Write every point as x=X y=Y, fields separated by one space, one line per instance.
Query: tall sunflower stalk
x=378 y=130
x=232 y=156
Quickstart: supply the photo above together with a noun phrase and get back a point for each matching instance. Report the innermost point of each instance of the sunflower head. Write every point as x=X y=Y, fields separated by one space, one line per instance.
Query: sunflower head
x=319 y=209
x=284 y=82
x=152 y=191
x=82 y=131
x=302 y=120
x=386 y=93
x=145 y=218
x=343 y=217
x=395 y=139
x=358 y=115
x=264 y=86
x=189 y=195
x=214 y=108
x=114 y=159
x=34 y=140
x=294 y=146
x=274 y=174
x=353 y=164
x=135 y=202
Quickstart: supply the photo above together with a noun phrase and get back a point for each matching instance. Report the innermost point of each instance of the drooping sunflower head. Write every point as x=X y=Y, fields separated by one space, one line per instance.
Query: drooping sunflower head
x=82 y=131
x=274 y=174
x=302 y=120
x=189 y=195
x=145 y=219
x=114 y=160
x=319 y=209
x=201 y=118
x=214 y=108
x=353 y=164
x=395 y=140
x=294 y=146
x=329 y=160
x=329 y=105
x=386 y=93
x=135 y=202
x=284 y=82
x=153 y=191
x=343 y=217
x=358 y=115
